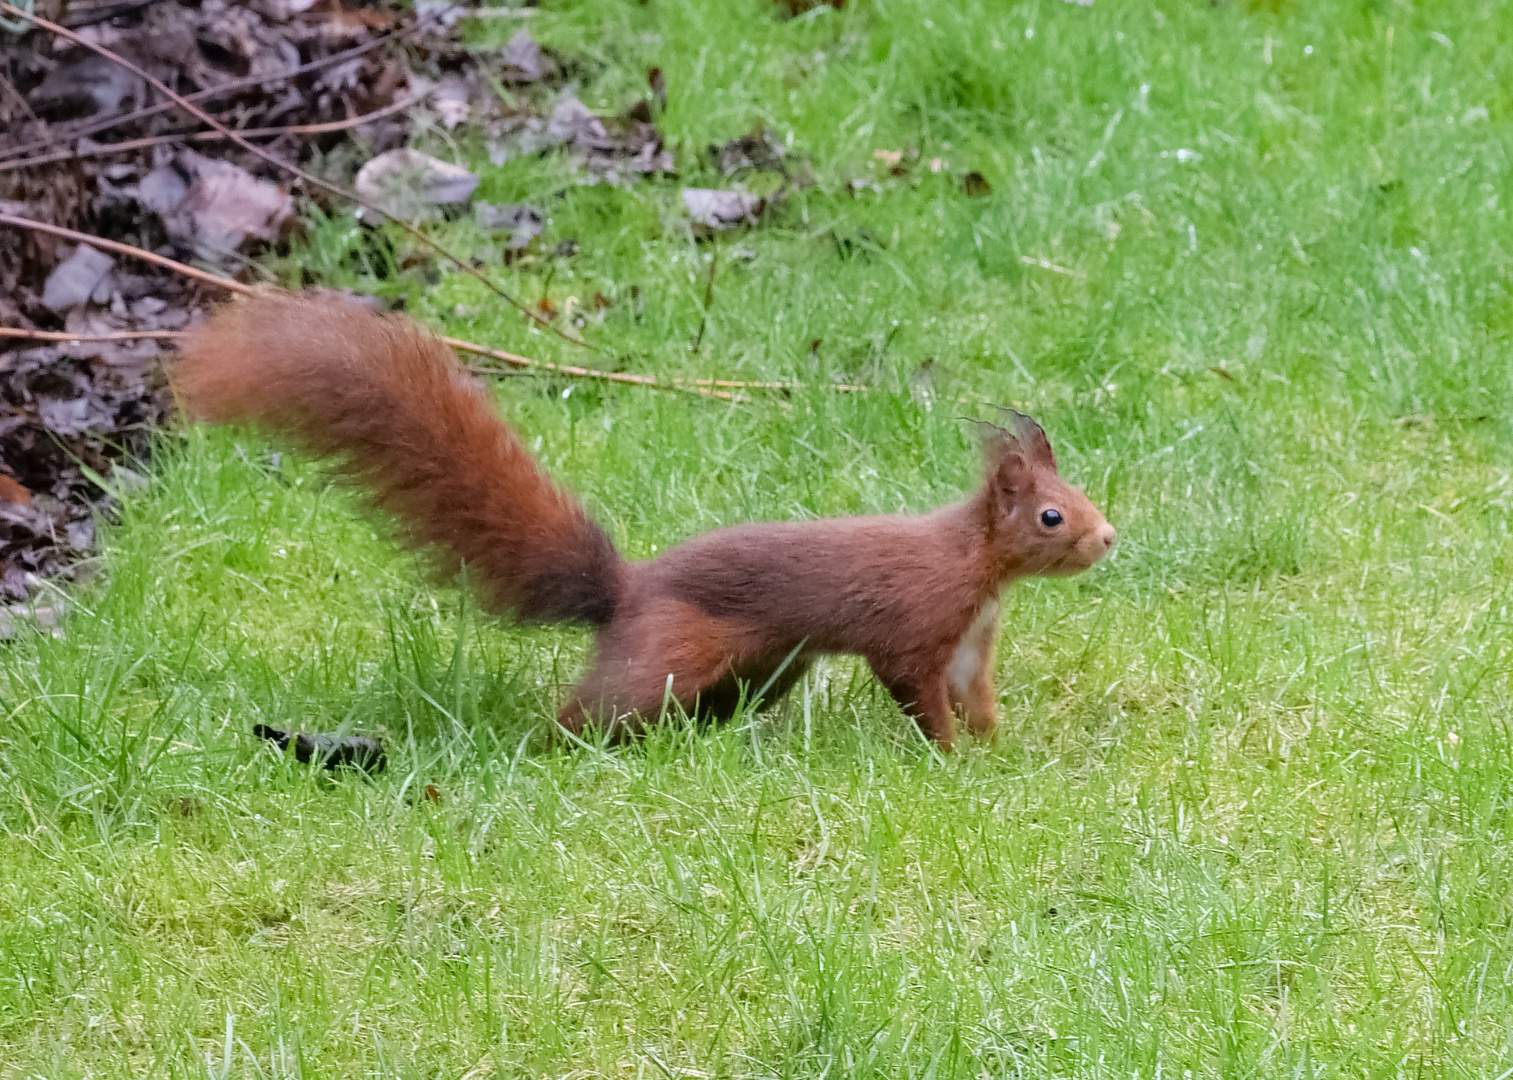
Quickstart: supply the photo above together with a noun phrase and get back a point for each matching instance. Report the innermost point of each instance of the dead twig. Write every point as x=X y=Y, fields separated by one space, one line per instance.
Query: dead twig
x=101 y=244
x=576 y=372
x=60 y=335
x=294 y=170
x=714 y=262
x=785 y=387
x=97 y=14
x=523 y=365
x=106 y=149
x=512 y=359
x=714 y=388
x=8 y=89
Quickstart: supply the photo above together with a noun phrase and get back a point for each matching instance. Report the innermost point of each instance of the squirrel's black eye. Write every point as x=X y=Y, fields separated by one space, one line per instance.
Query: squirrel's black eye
x=1050 y=518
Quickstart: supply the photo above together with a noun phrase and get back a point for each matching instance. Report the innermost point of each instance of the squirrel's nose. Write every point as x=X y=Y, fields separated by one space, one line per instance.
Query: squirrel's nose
x=1108 y=535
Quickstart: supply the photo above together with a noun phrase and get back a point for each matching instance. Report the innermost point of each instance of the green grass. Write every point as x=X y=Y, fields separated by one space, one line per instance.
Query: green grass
x=1250 y=811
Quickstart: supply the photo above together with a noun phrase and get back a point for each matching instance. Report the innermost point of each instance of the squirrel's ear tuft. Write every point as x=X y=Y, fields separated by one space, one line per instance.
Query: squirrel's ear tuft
x=997 y=442
x=1030 y=436
x=1004 y=456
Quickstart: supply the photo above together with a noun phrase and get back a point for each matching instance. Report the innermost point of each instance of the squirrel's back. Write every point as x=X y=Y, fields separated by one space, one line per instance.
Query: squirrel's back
x=387 y=402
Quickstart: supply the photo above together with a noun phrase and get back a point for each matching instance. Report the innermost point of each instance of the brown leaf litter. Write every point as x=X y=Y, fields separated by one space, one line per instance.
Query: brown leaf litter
x=85 y=144
x=612 y=149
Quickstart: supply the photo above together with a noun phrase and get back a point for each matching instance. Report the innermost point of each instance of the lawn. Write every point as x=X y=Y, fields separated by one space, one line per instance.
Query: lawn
x=1249 y=810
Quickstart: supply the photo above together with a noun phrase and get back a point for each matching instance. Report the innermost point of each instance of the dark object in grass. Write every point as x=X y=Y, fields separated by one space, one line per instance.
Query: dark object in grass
x=793 y=8
x=758 y=151
x=330 y=751
x=974 y=185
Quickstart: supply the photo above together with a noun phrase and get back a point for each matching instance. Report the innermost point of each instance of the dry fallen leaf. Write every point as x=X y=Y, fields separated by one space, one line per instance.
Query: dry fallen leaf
x=633 y=147
x=657 y=81
x=85 y=86
x=76 y=278
x=406 y=183
x=223 y=206
x=450 y=100
x=13 y=491
x=722 y=209
x=522 y=59
x=45 y=618
x=572 y=121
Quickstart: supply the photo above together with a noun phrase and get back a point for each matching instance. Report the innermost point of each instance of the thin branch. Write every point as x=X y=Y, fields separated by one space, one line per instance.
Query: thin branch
x=715 y=388
x=59 y=335
x=515 y=361
x=78 y=129
x=295 y=170
x=106 y=149
x=8 y=89
x=95 y=15
x=785 y=387
x=714 y=262
x=101 y=244
x=576 y=372
x=521 y=364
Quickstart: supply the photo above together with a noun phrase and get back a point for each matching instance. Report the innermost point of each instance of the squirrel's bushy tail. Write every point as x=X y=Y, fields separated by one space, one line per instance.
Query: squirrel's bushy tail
x=386 y=400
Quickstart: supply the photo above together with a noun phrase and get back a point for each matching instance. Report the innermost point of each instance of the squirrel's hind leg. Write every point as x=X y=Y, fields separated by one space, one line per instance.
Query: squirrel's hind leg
x=668 y=652
x=722 y=699
x=923 y=695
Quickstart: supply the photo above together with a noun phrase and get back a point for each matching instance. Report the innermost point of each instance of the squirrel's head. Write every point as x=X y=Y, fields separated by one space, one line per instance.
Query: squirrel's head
x=1038 y=523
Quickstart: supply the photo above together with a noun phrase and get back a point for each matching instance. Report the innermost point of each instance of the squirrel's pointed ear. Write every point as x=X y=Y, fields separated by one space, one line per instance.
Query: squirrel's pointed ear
x=1031 y=436
x=1005 y=460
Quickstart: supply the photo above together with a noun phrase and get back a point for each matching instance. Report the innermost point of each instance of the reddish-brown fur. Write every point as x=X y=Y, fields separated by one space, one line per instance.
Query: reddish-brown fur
x=915 y=595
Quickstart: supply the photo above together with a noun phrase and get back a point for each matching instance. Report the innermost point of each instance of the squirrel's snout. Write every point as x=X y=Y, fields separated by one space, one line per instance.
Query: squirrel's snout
x=1097 y=543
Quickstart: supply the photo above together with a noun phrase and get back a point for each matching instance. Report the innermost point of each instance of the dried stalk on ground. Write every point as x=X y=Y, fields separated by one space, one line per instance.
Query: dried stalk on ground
x=705 y=388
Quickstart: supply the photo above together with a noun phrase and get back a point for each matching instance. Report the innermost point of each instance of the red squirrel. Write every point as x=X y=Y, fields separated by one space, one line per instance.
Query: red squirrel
x=704 y=623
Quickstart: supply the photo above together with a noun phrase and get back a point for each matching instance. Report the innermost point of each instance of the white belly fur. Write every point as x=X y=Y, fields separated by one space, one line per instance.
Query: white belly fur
x=972 y=650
